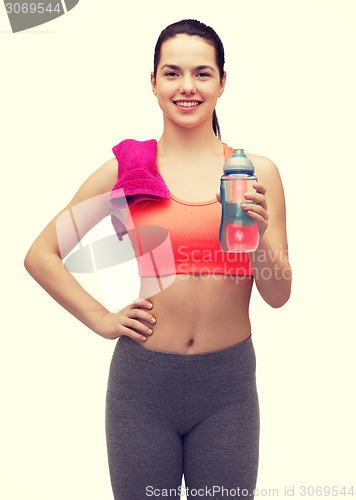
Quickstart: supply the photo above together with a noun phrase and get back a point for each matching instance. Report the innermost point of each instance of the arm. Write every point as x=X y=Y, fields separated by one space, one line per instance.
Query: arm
x=44 y=262
x=272 y=271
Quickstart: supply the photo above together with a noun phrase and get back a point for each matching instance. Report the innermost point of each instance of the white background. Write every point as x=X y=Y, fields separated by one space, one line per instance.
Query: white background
x=73 y=88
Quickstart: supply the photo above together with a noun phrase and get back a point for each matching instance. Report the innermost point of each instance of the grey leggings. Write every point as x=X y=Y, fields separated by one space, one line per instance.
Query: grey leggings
x=170 y=414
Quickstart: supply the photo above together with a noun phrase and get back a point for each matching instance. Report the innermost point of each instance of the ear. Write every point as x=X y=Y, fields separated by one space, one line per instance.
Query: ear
x=222 y=84
x=153 y=83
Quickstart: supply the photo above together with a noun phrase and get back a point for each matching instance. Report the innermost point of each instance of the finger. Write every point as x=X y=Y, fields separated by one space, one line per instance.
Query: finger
x=143 y=315
x=260 y=188
x=257 y=198
x=140 y=314
x=218 y=197
x=259 y=219
x=255 y=209
x=137 y=337
x=138 y=326
x=140 y=302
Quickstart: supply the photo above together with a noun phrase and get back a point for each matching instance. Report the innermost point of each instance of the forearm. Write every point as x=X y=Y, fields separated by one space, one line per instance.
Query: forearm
x=48 y=270
x=272 y=272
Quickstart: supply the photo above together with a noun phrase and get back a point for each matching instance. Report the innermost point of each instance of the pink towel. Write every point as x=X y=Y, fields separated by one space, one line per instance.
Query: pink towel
x=138 y=177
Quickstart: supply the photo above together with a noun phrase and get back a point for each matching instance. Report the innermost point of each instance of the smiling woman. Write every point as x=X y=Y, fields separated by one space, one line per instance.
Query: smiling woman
x=188 y=84
x=181 y=395
x=193 y=62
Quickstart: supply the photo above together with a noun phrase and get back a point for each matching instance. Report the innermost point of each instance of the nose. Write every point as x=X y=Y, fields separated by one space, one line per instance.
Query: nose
x=187 y=86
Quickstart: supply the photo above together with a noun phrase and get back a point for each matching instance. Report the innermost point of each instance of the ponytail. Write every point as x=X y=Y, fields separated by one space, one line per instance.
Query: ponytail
x=216 y=126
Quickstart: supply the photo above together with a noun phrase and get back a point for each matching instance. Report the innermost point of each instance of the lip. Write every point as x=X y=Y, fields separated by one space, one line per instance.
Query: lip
x=187 y=109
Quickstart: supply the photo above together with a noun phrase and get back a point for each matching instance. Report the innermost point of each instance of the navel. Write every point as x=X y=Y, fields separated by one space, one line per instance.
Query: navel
x=190 y=342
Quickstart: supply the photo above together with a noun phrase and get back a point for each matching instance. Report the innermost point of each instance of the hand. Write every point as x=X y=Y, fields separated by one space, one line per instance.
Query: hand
x=132 y=321
x=258 y=209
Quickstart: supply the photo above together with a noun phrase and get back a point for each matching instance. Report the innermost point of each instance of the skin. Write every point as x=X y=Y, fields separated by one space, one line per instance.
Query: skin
x=193 y=314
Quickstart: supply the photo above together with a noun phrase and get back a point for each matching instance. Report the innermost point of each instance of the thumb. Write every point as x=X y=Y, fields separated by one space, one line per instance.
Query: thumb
x=218 y=197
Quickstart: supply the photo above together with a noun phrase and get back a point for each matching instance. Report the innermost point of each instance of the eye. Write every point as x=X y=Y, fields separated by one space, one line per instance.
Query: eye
x=203 y=75
x=171 y=74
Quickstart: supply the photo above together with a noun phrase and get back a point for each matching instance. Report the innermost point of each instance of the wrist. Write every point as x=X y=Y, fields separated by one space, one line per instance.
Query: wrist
x=98 y=322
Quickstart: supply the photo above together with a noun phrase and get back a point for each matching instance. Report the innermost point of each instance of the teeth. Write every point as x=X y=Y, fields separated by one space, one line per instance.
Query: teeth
x=186 y=104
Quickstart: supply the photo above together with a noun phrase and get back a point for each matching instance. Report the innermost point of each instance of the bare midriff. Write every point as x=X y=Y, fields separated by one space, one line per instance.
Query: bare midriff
x=197 y=313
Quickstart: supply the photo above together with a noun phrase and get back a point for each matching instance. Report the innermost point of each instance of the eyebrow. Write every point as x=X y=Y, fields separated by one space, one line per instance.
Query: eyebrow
x=197 y=68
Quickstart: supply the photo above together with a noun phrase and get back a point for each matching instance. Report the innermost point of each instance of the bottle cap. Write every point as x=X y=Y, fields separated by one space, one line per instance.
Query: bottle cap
x=239 y=161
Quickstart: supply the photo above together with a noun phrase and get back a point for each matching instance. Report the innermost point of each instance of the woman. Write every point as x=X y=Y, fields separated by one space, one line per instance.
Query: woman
x=181 y=395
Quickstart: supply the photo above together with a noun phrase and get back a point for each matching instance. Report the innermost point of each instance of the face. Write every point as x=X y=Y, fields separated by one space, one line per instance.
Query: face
x=188 y=82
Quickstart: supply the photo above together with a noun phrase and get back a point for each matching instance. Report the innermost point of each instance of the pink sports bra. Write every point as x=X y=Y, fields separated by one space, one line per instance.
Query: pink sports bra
x=175 y=236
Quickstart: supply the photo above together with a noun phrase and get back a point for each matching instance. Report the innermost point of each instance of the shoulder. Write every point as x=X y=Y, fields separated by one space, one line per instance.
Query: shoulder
x=265 y=169
x=262 y=164
x=268 y=174
x=101 y=181
x=109 y=167
x=106 y=175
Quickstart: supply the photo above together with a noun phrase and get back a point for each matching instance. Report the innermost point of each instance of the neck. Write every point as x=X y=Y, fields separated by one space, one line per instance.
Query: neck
x=188 y=142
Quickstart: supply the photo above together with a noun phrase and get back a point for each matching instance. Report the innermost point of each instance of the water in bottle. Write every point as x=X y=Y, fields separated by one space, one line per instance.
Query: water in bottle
x=238 y=231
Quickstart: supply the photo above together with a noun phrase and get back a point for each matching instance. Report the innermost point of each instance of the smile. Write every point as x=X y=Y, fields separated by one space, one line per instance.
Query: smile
x=187 y=104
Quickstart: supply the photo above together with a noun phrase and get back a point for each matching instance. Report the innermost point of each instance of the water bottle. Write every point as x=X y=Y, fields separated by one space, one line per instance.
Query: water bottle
x=238 y=231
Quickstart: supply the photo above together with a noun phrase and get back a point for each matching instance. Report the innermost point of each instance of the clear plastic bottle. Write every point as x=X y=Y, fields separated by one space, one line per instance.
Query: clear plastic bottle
x=238 y=231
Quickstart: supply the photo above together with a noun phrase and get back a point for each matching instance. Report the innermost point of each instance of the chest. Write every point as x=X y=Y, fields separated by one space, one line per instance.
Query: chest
x=194 y=183
x=195 y=222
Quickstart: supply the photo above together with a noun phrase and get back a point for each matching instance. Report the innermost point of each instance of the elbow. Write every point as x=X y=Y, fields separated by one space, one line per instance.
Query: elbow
x=31 y=262
x=283 y=292
x=28 y=262
x=278 y=302
x=278 y=296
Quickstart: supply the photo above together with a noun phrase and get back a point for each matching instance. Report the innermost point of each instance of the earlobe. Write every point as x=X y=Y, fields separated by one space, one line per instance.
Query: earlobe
x=153 y=83
x=222 y=84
